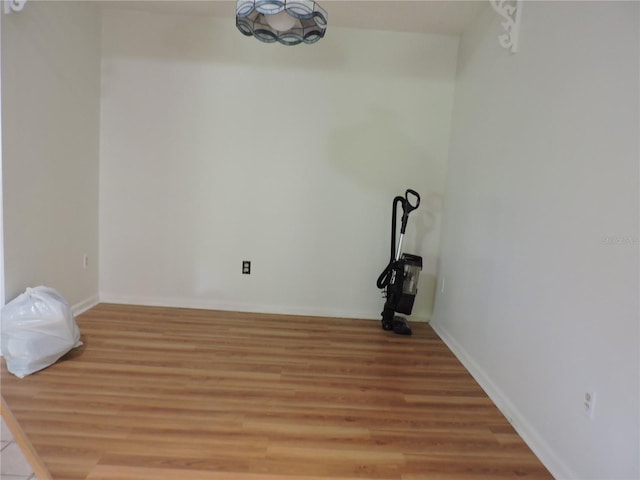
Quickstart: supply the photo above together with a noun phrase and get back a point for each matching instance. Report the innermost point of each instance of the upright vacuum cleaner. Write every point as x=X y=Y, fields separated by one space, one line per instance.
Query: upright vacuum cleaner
x=400 y=277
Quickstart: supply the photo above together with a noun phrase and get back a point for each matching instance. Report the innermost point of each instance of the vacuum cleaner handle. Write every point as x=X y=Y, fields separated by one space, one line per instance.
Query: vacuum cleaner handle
x=409 y=207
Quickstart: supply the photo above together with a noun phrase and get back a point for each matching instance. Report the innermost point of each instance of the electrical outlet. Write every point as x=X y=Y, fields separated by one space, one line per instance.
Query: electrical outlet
x=246 y=267
x=85 y=261
x=589 y=404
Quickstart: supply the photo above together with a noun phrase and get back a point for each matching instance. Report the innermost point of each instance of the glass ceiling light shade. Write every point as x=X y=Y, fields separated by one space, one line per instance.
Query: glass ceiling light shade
x=289 y=22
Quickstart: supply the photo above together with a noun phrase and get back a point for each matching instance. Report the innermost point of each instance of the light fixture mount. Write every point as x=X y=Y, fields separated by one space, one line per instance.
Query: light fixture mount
x=288 y=22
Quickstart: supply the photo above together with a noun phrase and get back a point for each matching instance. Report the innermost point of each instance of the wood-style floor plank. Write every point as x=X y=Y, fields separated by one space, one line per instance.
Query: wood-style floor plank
x=176 y=394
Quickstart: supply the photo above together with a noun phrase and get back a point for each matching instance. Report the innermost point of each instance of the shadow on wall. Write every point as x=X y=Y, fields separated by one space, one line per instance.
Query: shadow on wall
x=425 y=223
x=377 y=156
x=426 y=218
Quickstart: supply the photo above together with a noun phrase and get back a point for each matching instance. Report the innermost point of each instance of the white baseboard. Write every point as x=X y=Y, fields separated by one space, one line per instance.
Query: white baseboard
x=529 y=434
x=85 y=305
x=209 y=304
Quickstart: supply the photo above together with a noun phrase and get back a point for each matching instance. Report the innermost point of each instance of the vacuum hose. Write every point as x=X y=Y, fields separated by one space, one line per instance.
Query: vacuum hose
x=385 y=277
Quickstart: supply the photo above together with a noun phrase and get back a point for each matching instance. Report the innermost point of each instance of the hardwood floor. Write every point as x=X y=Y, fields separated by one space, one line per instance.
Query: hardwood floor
x=178 y=394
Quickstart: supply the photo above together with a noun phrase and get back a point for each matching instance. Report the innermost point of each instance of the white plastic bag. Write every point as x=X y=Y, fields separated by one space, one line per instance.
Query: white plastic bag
x=36 y=329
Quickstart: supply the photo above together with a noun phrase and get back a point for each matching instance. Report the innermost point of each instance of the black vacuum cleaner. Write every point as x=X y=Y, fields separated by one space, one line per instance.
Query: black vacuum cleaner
x=399 y=279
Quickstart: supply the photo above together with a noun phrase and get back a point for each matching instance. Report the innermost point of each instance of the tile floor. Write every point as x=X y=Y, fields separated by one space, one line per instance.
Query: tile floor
x=13 y=464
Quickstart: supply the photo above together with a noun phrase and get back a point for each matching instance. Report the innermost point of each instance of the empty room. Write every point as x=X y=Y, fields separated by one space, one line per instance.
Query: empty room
x=323 y=240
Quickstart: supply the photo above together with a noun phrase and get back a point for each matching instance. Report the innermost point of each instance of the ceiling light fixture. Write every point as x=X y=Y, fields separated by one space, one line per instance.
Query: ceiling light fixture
x=13 y=6
x=289 y=22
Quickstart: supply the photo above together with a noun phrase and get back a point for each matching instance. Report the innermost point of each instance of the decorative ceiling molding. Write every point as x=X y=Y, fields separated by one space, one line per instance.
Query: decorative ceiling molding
x=511 y=12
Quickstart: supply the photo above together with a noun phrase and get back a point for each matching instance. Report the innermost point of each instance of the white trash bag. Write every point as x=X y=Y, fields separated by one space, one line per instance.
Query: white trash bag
x=36 y=329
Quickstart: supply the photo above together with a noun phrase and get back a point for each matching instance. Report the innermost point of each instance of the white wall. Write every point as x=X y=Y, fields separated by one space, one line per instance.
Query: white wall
x=2 y=292
x=540 y=236
x=216 y=148
x=50 y=109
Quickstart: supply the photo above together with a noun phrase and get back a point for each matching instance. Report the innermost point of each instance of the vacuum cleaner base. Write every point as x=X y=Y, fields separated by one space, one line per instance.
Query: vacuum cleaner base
x=399 y=325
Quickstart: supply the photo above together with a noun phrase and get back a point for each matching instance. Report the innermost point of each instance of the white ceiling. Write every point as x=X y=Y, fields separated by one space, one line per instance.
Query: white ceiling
x=422 y=16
